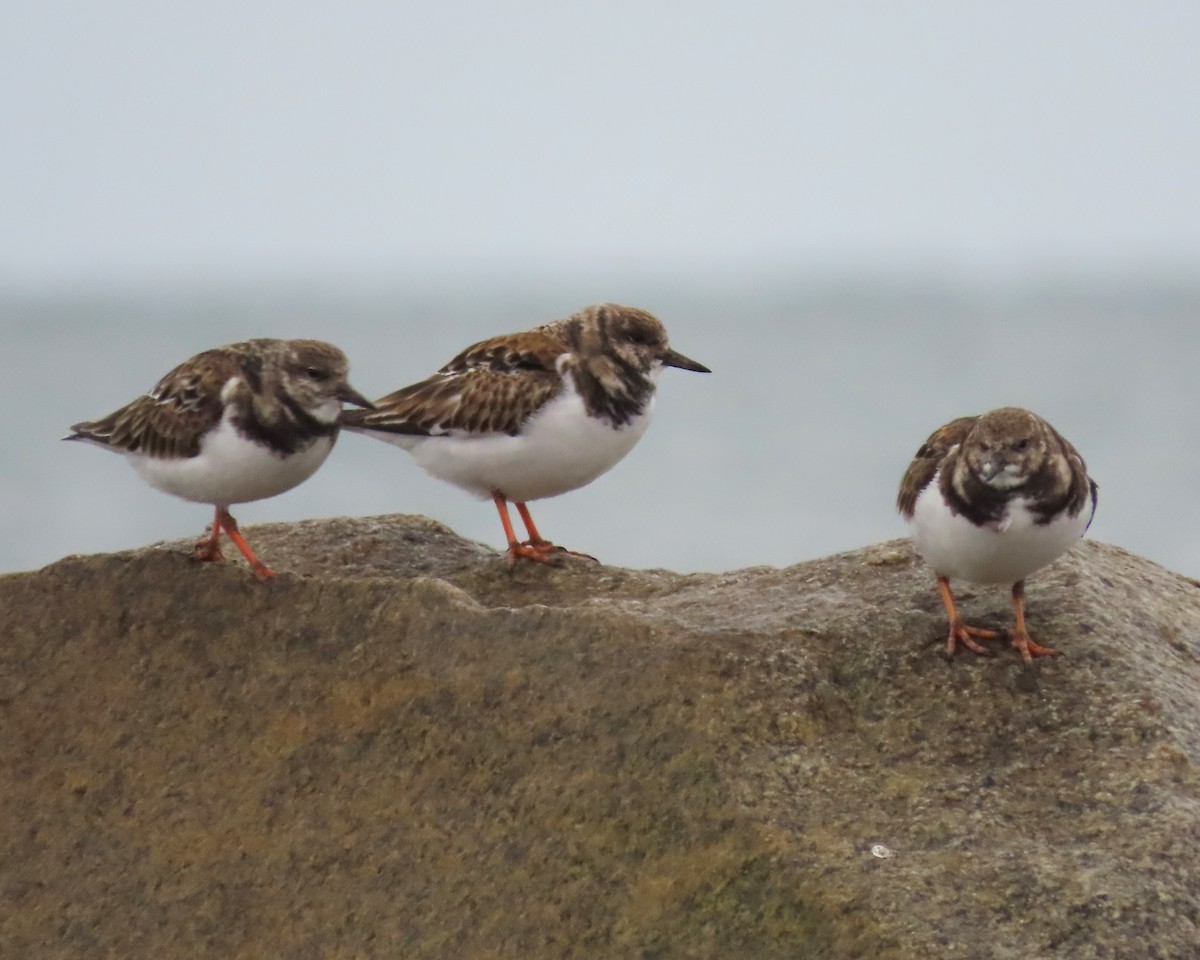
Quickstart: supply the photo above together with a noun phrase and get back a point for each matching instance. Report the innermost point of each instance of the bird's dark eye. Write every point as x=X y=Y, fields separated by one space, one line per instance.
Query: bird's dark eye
x=641 y=337
x=985 y=448
x=1022 y=444
x=316 y=373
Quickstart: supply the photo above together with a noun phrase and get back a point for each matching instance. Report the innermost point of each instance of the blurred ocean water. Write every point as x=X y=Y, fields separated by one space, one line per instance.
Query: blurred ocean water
x=791 y=449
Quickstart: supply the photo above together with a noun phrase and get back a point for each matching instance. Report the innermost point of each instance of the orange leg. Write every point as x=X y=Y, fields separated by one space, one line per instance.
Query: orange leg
x=535 y=538
x=229 y=525
x=209 y=548
x=539 y=542
x=959 y=631
x=1020 y=636
x=536 y=549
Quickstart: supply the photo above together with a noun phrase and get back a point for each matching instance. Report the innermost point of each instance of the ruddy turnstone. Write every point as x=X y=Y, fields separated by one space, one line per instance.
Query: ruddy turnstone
x=531 y=415
x=991 y=499
x=234 y=424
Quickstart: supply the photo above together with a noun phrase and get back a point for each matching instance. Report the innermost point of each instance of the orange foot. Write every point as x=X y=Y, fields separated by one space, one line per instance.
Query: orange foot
x=1021 y=640
x=961 y=633
x=1020 y=636
x=542 y=551
x=536 y=548
x=208 y=550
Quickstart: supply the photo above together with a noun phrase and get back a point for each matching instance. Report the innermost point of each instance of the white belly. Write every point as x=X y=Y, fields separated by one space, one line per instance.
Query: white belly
x=231 y=469
x=560 y=448
x=1006 y=553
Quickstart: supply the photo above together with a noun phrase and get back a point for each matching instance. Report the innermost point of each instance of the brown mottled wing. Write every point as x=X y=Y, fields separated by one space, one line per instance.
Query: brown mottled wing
x=171 y=419
x=1083 y=487
x=925 y=464
x=491 y=387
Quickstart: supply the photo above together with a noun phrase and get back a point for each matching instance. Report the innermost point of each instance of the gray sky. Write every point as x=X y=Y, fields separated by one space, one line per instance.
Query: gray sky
x=158 y=140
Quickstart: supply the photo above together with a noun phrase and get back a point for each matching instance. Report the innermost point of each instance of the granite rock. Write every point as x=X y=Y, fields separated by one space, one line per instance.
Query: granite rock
x=402 y=747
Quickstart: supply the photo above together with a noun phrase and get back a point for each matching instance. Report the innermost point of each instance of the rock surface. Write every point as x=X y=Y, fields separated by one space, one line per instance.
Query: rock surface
x=403 y=748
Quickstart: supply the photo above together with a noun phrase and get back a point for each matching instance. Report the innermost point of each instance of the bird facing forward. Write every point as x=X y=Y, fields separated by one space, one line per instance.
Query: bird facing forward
x=991 y=499
x=530 y=415
x=234 y=424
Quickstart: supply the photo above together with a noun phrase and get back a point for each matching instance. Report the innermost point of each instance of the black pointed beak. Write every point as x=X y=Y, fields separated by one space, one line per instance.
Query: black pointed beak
x=673 y=359
x=347 y=394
